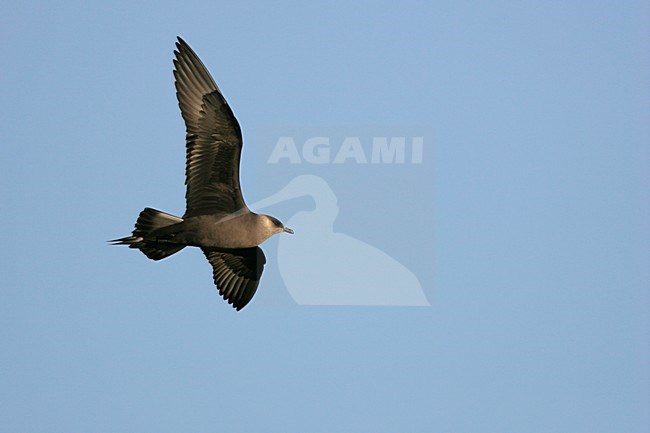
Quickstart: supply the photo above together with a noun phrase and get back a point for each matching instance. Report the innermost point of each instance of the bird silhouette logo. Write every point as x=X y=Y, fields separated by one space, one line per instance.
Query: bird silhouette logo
x=322 y=267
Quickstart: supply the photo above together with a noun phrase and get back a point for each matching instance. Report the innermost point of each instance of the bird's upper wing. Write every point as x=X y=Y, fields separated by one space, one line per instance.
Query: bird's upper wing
x=214 y=139
x=236 y=273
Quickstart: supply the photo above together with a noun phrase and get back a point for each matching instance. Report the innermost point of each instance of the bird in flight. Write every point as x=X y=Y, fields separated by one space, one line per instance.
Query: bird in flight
x=216 y=218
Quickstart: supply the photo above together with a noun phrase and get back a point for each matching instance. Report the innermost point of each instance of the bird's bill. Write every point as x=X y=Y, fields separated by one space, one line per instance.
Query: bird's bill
x=288 y=230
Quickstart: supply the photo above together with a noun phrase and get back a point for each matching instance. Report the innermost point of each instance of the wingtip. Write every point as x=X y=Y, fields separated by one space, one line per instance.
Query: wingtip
x=182 y=48
x=239 y=305
x=181 y=44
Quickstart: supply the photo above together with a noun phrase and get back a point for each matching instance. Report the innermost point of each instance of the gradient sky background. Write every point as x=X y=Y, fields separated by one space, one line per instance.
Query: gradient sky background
x=527 y=222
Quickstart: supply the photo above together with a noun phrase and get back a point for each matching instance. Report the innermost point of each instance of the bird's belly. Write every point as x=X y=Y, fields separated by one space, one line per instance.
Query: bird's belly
x=214 y=232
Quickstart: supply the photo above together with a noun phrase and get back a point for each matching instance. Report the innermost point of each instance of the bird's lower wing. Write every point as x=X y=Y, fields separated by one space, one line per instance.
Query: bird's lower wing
x=236 y=273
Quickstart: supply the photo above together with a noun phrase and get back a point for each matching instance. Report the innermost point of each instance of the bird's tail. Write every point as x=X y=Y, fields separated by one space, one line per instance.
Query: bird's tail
x=148 y=221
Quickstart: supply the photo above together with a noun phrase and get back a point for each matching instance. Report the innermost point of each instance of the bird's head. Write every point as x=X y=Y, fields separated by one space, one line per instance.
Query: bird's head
x=275 y=226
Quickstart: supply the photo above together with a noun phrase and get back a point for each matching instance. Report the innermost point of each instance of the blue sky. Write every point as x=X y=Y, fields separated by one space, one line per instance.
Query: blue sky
x=526 y=224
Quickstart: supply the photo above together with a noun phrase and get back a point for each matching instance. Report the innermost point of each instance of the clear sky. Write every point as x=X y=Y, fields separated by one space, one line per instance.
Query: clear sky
x=526 y=222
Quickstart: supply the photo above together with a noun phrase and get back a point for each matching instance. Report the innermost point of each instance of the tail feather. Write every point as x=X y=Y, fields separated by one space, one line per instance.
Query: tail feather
x=148 y=221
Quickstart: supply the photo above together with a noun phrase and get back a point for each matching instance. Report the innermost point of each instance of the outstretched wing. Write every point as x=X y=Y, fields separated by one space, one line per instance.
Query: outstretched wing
x=214 y=139
x=236 y=273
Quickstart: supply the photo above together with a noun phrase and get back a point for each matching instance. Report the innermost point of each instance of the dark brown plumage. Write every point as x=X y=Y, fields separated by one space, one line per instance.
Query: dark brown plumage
x=216 y=218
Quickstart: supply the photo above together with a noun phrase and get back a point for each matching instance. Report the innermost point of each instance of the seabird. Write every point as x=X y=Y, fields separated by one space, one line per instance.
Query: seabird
x=216 y=219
